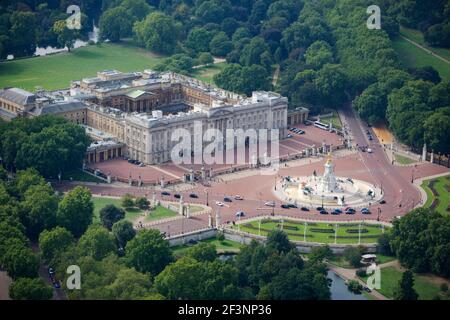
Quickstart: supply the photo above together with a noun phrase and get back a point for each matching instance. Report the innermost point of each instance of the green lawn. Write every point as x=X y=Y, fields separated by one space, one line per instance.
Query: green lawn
x=427 y=290
x=160 y=212
x=207 y=73
x=221 y=247
x=340 y=261
x=403 y=160
x=444 y=197
x=79 y=175
x=414 y=57
x=101 y=202
x=417 y=36
x=324 y=234
x=56 y=71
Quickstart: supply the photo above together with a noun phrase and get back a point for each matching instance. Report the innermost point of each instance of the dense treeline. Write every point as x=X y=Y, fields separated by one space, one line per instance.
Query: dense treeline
x=325 y=52
x=430 y=17
x=50 y=144
x=421 y=242
x=122 y=264
x=26 y=24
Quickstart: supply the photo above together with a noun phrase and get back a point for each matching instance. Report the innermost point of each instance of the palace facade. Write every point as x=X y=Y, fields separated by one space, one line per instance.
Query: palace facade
x=140 y=110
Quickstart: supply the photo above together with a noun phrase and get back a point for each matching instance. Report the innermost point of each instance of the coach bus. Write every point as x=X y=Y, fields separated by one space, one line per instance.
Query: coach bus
x=321 y=125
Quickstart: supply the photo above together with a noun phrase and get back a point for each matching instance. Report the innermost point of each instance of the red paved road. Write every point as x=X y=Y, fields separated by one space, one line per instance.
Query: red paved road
x=374 y=168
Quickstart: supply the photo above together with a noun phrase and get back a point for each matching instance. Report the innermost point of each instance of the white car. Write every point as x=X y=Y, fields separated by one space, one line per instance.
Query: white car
x=270 y=204
x=369 y=150
x=220 y=204
x=238 y=197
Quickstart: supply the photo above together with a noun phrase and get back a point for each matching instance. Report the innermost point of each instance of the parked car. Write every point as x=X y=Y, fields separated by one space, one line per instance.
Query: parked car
x=382 y=201
x=240 y=214
x=336 y=211
x=292 y=205
x=323 y=212
x=165 y=193
x=227 y=199
x=320 y=208
x=304 y=209
x=193 y=195
x=289 y=136
x=365 y=211
x=220 y=204
x=350 y=211
x=238 y=197
x=141 y=165
x=301 y=132
x=285 y=206
x=177 y=195
x=270 y=204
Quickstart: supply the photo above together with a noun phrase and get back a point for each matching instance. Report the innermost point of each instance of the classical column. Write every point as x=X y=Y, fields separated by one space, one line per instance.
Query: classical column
x=181 y=206
x=424 y=152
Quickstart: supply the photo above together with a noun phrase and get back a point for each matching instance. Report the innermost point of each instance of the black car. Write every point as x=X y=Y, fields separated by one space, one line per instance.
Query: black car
x=176 y=195
x=320 y=208
x=323 y=212
x=165 y=193
x=382 y=201
x=292 y=205
x=193 y=195
x=304 y=209
x=226 y=199
x=285 y=206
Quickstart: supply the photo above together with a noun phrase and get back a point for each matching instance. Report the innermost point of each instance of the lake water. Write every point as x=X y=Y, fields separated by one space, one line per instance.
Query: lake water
x=339 y=290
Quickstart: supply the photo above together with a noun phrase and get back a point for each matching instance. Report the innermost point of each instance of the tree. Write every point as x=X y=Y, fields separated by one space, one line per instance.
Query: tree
x=25 y=179
x=331 y=82
x=115 y=23
x=319 y=254
x=188 y=278
x=405 y=289
x=137 y=9
x=278 y=239
x=110 y=214
x=20 y=261
x=220 y=45
x=123 y=231
x=130 y=285
x=39 y=209
x=54 y=242
x=97 y=242
x=157 y=32
x=202 y=252
x=127 y=201
x=142 y=203
x=251 y=54
x=353 y=256
x=22 y=33
x=148 y=252
x=198 y=39
x=75 y=211
x=436 y=127
x=318 y=54
x=30 y=289
x=205 y=58
x=65 y=36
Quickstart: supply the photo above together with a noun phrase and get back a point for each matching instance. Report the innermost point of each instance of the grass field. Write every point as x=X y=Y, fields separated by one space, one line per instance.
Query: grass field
x=425 y=288
x=79 y=175
x=225 y=246
x=403 y=160
x=413 y=57
x=316 y=232
x=417 y=36
x=101 y=202
x=160 y=212
x=56 y=71
x=444 y=196
x=207 y=73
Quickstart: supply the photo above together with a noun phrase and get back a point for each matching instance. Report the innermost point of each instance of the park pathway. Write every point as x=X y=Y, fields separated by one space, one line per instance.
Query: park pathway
x=425 y=49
